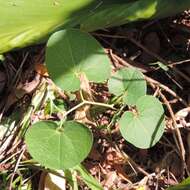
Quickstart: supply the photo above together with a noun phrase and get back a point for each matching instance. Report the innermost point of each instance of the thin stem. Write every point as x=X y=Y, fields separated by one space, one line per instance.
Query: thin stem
x=114 y=117
x=16 y=167
x=70 y=111
x=82 y=104
x=61 y=124
x=81 y=95
x=100 y=104
x=74 y=108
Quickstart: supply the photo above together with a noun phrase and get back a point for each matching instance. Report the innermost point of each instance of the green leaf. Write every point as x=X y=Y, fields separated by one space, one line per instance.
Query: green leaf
x=2 y=58
x=59 y=148
x=128 y=83
x=161 y=65
x=88 y=178
x=184 y=185
x=72 y=54
x=145 y=127
x=28 y=22
x=71 y=177
x=115 y=14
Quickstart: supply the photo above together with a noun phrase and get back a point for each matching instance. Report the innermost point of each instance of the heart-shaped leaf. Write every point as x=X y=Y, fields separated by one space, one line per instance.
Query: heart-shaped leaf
x=145 y=127
x=71 y=54
x=128 y=83
x=59 y=148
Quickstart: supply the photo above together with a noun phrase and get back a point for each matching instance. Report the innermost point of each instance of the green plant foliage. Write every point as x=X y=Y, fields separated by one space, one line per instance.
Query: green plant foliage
x=72 y=55
x=115 y=14
x=55 y=106
x=144 y=127
x=59 y=148
x=184 y=185
x=27 y=22
x=88 y=178
x=129 y=84
x=161 y=66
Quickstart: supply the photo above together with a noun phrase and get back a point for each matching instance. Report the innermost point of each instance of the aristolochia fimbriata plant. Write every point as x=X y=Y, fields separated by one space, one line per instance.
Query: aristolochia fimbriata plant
x=75 y=58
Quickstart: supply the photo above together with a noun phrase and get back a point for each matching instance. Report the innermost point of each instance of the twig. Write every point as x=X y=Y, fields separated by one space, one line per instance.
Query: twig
x=128 y=159
x=153 y=81
x=15 y=79
x=163 y=61
x=179 y=62
x=16 y=167
x=130 y=63
x=182 y=148
x=181 y=145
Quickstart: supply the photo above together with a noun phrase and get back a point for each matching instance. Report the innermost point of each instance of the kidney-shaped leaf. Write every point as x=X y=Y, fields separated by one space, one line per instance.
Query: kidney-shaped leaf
x=128 y=83
x=145 y=127
x=71 y=54
x=59 y=149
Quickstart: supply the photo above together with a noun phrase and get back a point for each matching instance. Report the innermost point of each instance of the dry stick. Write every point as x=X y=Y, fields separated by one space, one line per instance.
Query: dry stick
x=130 y=63
x=160 y=59
x=175 y=138
x=147 y=51
x=175 y=124
x=177 y=131
x=179 y=62
x=180 y=145
x=155 y=82
x=16 y=77
x=14 y=81
x=179 y=142
x=130 y=160
x=16 y=167
x=10 y=157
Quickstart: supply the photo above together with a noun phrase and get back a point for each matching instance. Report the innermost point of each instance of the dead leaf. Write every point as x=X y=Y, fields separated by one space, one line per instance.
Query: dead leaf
x=110 y=179
x=41 y=69
x=50 y=181
x=83 y=114
x=142 y=188
x=21 y=90
x=173 y=162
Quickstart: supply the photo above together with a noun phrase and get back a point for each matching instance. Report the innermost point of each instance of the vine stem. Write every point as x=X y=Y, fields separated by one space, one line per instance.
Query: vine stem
x=85 y=102
x=114 y=117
